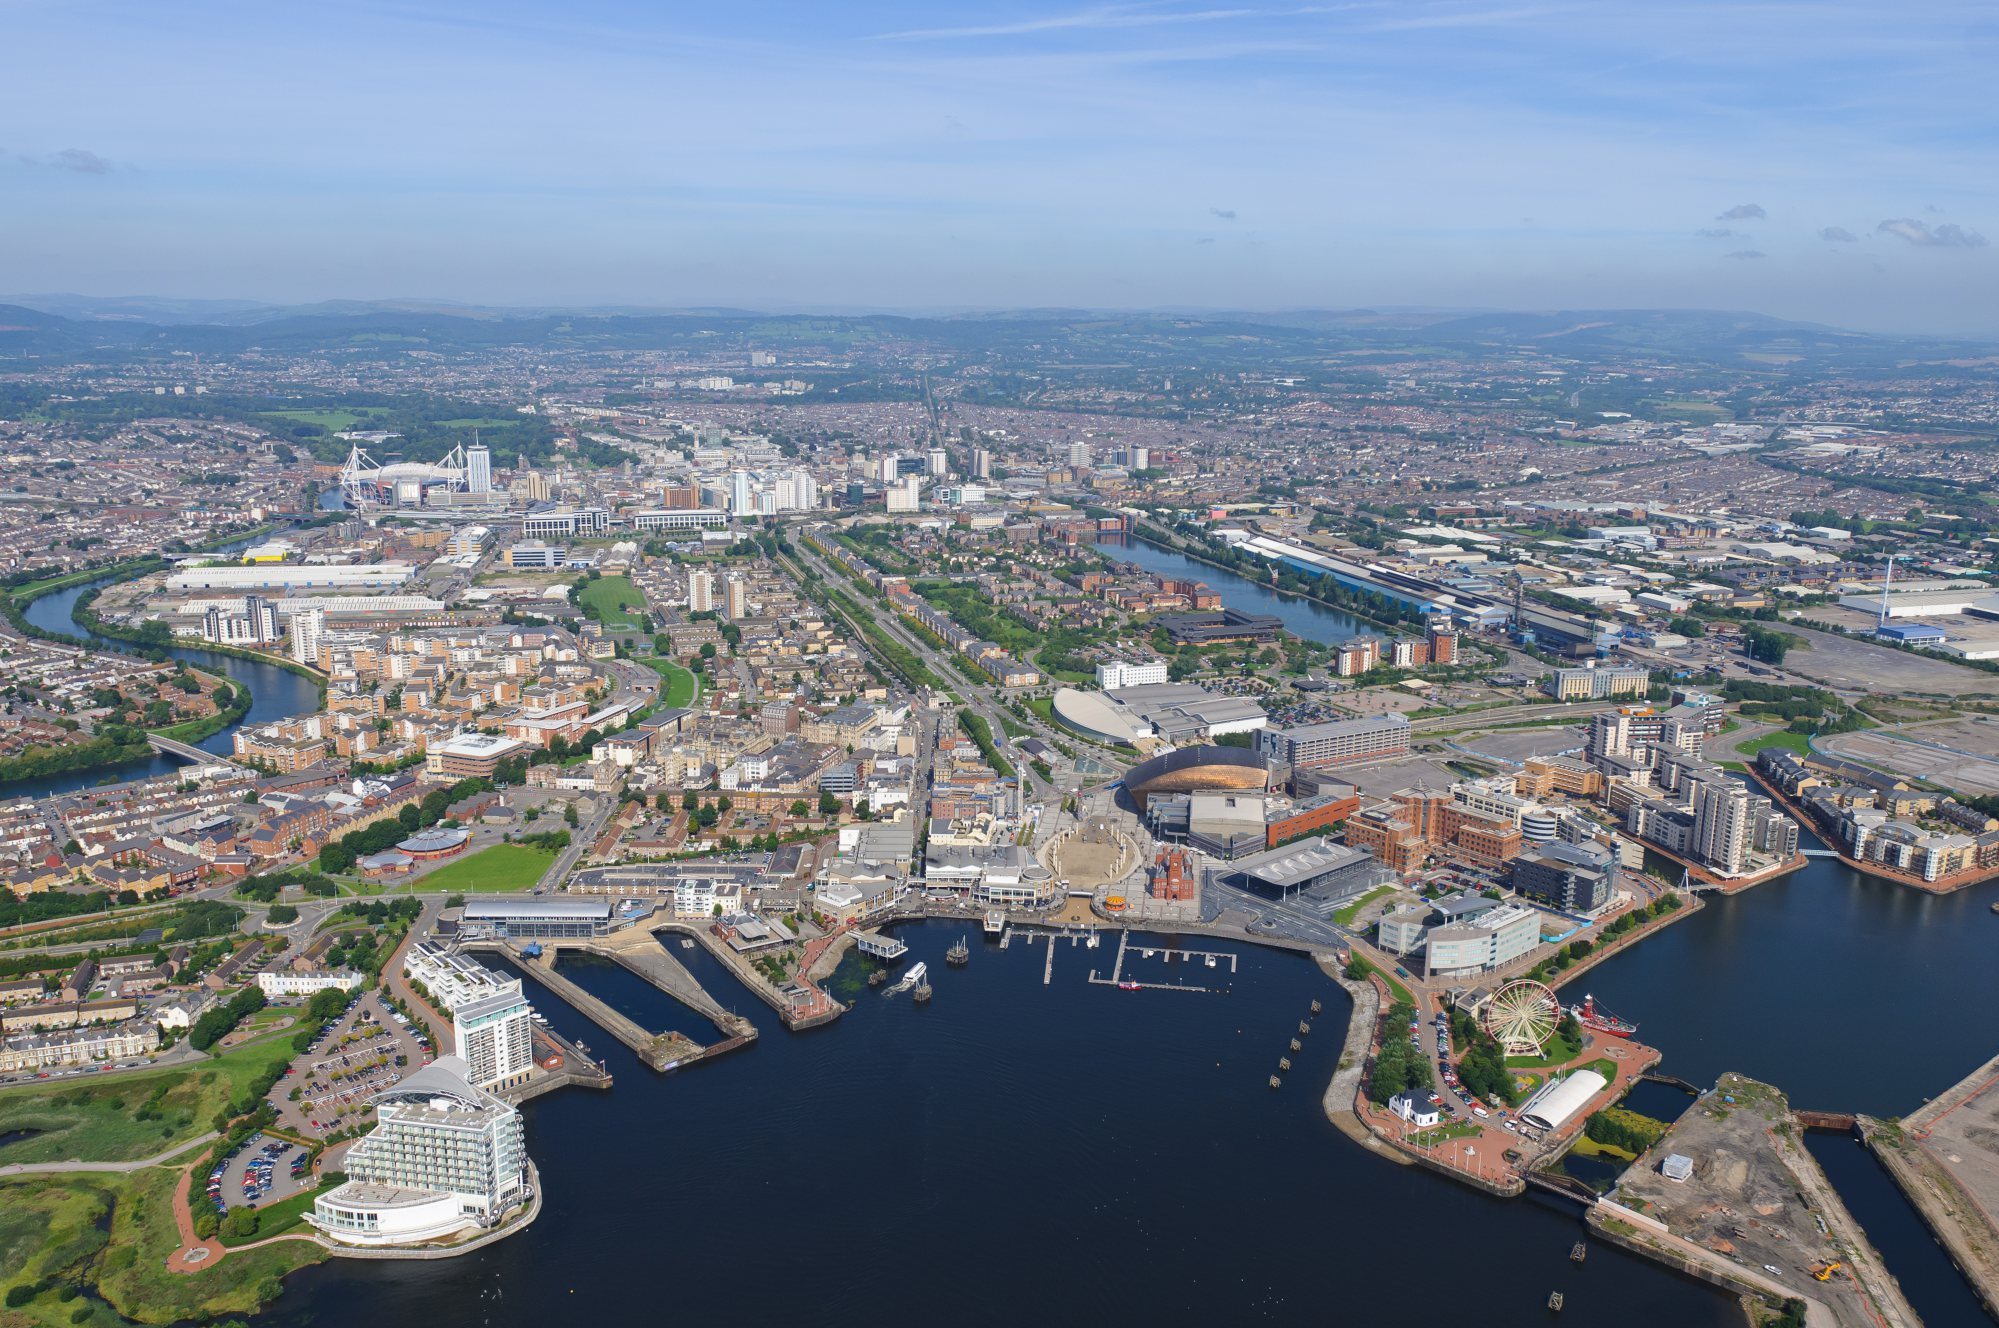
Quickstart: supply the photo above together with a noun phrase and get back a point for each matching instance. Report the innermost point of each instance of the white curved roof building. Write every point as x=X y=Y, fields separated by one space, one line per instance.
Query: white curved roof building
x=1096 y=716
x=1559 y=1100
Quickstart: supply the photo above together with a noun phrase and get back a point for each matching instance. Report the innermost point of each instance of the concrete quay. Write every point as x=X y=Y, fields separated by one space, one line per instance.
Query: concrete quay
x=824 y=1011
x=1757 y=1214
x=657 y=1051
x=1945 y=1158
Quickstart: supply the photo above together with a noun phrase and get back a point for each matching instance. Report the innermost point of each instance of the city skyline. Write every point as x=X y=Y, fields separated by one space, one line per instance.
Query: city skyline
x=1824 y=162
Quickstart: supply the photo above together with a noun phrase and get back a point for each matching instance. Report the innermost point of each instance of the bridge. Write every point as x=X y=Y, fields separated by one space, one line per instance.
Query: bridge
x=1566 y=1186
x=1842 y=1121
x=1818 y=853
x=170 y=747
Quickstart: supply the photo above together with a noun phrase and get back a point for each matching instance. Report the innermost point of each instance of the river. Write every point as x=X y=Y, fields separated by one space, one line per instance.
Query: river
x=1009 y=1153
x=275 y=694
x=1304 y=618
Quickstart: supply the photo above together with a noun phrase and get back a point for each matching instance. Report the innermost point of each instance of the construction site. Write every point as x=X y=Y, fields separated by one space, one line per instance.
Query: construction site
x=1730 y=1195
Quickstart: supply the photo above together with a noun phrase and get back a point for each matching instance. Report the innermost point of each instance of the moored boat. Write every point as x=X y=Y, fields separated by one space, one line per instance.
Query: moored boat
x=1595 y=1017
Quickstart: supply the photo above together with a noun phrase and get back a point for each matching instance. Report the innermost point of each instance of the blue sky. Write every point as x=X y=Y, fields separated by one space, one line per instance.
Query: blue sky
x=1832 y=161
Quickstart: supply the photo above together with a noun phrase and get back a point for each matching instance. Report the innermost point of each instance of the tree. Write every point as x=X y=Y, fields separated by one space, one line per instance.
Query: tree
x=569 y=816
x=829 y=804
x=799 y=808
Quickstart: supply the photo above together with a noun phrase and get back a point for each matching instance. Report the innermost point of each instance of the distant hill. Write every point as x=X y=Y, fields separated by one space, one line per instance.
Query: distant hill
x=139 y=327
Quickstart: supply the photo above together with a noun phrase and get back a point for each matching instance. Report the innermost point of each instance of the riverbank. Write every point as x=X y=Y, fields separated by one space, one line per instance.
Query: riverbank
x=1690 y=904
x=1943 y=885
x=86 y=613
x=1164 y=543
x=1730 y=885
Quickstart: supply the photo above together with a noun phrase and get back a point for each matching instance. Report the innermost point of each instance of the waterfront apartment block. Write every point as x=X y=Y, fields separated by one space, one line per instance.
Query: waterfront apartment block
x=444 y=1157
x=494 y=1036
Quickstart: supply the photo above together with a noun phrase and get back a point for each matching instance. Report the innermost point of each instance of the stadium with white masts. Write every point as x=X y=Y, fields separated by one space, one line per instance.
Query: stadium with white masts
x=364 y=482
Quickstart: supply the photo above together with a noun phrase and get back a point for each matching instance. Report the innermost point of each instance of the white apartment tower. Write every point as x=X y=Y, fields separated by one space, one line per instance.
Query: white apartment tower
x=308 y=630
x=494 y=1036
x=478 y=469
x=701 y=591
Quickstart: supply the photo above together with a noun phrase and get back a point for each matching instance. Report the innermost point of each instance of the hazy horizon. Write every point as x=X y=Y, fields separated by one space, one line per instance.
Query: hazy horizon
x=1827 y=162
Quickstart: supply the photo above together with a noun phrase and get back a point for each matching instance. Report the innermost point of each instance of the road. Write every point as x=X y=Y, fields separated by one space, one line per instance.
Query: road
x=50 y=1168
x=981 y=698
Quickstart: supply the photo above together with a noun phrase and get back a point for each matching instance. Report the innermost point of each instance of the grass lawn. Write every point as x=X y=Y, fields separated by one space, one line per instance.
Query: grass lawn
x=680 y=687
x=330 y=419
x=278 y=1218
x=1431 y=1138
x=1559 y=1052
x=1603 y=1066
x=95 y=1118
x=501 y=869
x=1396 y=989
x=1789 y=741
x=1345 y=916
x=116 y=1232
x=604 y=597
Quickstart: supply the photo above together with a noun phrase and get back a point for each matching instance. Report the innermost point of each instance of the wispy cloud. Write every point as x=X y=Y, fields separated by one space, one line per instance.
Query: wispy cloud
x=1747 y=254
x=1101 y=18
x=1743 y=212
x=1947 y=235
x=79 y=160
x=1838 y=235
x=1226 y=214
x=1717 y=233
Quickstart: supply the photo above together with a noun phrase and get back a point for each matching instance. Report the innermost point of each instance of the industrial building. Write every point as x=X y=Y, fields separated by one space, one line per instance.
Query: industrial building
x=530 y=917
x=337 y=577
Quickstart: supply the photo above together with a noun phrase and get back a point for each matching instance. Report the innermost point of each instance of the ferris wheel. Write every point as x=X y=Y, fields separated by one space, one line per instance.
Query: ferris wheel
x=1521 y=1017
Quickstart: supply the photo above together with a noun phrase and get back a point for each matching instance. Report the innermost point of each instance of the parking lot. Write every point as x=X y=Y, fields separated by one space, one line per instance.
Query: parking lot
x=262 y=1172
x=329 y=1087
x=1843 y=662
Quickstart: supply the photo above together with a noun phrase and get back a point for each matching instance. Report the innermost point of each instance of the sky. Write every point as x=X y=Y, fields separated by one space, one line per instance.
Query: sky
x=1835 y=162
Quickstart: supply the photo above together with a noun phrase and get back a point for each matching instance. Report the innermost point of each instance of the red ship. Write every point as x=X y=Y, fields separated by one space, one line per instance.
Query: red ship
x=1603 y=1021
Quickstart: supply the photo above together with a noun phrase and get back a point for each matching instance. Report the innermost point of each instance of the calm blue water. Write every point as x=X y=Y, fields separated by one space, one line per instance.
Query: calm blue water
x=1935 y=1289
x=1304 y=618
x=1849 y=992
x=1011 y=1153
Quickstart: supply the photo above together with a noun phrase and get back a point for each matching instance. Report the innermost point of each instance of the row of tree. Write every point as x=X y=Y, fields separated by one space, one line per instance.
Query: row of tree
x=213 y=1026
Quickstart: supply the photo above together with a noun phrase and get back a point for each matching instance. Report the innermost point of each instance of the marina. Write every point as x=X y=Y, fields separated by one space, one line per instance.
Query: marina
x=1117 y=978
